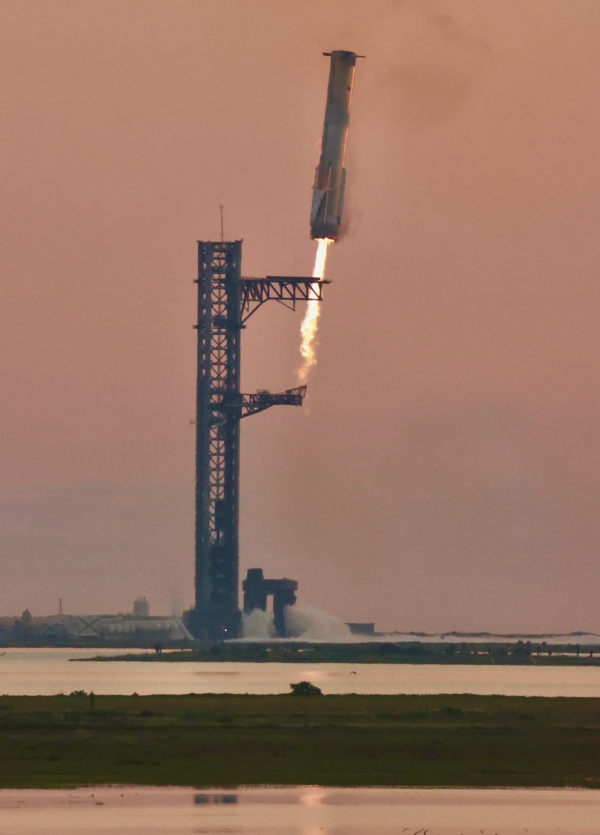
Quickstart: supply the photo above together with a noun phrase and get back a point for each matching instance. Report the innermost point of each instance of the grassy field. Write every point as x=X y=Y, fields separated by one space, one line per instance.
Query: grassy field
x=328 y=740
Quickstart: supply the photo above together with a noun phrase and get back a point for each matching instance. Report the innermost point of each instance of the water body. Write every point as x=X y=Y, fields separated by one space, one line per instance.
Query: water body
x=50 y=671
x=299 y=811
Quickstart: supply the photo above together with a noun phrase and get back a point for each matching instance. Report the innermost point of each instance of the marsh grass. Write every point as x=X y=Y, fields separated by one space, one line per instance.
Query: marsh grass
x=227 y=740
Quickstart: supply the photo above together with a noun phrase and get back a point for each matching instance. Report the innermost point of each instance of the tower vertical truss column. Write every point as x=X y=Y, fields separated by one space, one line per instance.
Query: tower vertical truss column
x=217 y=439
x=225 y=302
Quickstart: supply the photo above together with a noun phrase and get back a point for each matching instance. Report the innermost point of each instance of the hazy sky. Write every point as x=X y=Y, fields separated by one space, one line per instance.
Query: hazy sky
x=445 y=473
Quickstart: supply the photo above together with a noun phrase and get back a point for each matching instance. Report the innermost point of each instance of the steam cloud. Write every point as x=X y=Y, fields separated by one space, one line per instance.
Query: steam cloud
x=305 y=622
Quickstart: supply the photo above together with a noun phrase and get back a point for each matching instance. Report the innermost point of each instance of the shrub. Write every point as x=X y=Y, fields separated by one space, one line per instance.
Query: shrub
x=305 y=688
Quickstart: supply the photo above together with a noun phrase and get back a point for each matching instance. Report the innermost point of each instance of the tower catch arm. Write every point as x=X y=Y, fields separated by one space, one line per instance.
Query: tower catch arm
x=288 y=291
x=254 y=403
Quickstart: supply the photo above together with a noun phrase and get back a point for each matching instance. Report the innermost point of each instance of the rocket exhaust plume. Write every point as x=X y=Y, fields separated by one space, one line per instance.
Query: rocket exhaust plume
x=310 y=323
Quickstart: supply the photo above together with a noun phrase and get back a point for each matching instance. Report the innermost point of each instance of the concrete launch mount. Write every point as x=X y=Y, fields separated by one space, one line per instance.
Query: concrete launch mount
x=225 y=303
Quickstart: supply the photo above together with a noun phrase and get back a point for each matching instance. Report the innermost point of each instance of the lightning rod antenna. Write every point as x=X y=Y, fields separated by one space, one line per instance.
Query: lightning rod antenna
x=222 y=225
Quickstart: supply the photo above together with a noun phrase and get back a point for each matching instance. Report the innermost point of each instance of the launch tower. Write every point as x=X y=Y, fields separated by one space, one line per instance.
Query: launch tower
x=225 y=303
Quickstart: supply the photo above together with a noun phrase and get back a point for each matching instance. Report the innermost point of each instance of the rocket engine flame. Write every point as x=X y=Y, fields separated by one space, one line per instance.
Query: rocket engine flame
x=321 y=258
x=310 y=323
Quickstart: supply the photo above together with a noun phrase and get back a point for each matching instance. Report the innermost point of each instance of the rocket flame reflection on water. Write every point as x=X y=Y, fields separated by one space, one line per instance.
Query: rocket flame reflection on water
x=310 y=323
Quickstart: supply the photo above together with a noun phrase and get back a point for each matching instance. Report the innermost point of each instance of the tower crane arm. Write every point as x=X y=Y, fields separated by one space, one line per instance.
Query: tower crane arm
x=254 y=403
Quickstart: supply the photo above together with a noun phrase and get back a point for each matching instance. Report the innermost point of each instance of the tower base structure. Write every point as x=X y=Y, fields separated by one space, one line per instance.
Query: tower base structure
x=257 y=589
x=212 y=628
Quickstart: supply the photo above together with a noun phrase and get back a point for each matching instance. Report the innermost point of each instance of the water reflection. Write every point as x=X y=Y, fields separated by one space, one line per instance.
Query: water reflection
x=312 y=796
x=39 y=672
x=303 y=810
x=203 y=799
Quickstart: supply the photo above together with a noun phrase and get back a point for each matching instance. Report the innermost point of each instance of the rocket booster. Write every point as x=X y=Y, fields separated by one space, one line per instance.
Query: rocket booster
x=330 y=176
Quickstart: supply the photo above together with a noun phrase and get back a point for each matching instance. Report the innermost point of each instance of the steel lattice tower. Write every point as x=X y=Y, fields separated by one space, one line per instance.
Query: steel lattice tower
x=225 y=302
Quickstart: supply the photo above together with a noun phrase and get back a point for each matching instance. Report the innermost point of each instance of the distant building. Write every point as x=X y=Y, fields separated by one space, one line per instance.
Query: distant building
x=141 y=608
x=127 y=629
x=361 y=628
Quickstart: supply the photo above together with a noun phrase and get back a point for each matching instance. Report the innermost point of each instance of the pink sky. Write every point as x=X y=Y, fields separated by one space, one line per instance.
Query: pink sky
x=446 y=471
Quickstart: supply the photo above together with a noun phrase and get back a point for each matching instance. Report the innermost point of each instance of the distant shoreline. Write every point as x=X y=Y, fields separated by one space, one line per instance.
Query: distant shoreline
x=517 y=654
